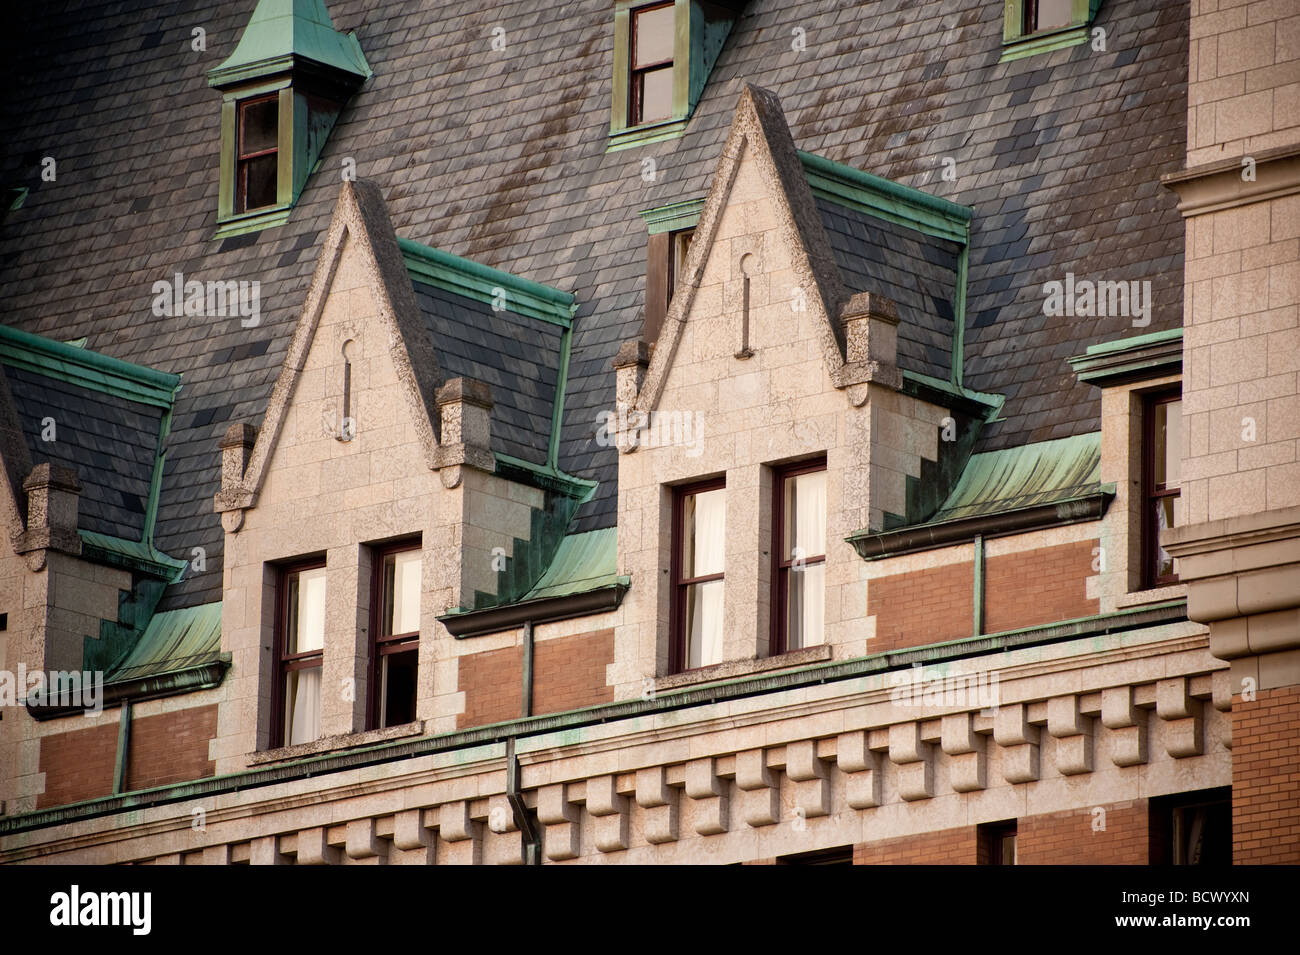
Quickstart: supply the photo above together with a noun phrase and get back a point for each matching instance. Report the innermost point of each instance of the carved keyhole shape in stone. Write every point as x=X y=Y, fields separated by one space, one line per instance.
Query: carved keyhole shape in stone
x=747 y=266
x=347 y=424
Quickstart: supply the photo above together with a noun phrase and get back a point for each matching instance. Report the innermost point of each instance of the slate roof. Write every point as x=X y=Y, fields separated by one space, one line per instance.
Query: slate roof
x=517 y=356
x=917 y=272
x=500 y=157
x=109 y=440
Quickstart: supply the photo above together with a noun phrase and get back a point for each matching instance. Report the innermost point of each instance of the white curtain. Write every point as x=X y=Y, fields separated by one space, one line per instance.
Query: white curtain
x=311 y=610
x=406 y=592
x=806 y=535
x=303 y=692
x=704 y=606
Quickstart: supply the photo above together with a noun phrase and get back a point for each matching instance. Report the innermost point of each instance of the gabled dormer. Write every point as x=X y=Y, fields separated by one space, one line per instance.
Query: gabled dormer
x=283 y=89
x=663 y=54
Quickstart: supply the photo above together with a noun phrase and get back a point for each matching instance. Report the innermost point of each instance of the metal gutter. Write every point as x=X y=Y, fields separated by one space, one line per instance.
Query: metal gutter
x=907 y=540
x=501 y=733
x=203 y=677
x=87 y=369
x=473 y=623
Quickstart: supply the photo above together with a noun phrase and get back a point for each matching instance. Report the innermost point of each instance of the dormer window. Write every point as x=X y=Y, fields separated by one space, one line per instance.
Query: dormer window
x=283 y=89
x=651 y=80
x=1039 y=15
x=257 y=156
x=663 y=53
x=1038 y=26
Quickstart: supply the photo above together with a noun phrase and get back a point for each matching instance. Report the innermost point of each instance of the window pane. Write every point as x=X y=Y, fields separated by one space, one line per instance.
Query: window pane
x=805 y=515
x=704 y=528
x=1007 y=848
x=302 y=706
x=656 y=95
x=257 y=182
x=681 y=245
x=261 y=126
x=397 y=687
x=806 y=606
x=653 y=31
x=1164 y=518
x=704 y=624
x=1173 y=443
x=401 y=593
x=1053 y=13
x=306 y=623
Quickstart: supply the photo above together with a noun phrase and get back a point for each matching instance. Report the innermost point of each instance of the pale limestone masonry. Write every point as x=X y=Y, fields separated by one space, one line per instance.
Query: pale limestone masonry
x=790 y=395
x=1238 y=539
x=306 y=485
x=1074 y=726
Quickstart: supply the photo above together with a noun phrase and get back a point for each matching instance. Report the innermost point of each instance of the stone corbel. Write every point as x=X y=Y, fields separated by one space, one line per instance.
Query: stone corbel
x=1072 y=731
x=364 y=843
x=915 y=761
x=1127 y=723
x=609 y=811
x=861 y=768
x=658 y=802
x=413 y=840
x=760 y=794
x=811 y=778
x=966 y=752
x=460 y=833
x=561 y=818
x=503 y=842
x=1019 y=741
x=708 y=793
x=314 y=848
x=1184 y=728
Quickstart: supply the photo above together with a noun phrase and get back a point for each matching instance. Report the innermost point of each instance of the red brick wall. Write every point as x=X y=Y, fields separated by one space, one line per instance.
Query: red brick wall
x=946 y=847
x=171 y=747
x=1044 y=585
x=1068 y=838
x=1266 y=778
x=568 y=673
x=924 y=606
x=78 y=765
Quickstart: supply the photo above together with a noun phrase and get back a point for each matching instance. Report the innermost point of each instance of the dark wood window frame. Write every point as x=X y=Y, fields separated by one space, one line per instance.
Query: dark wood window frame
x=636 y=74
x=1029 y=18
x=242 y=159
x=1151 y=492
x=287 y=663
x=382 y=645
x=779 y=638
x=994 y=835
x=677 y=639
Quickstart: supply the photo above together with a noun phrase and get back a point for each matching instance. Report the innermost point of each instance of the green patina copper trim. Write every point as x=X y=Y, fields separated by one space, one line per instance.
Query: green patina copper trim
x=485 y=284
x=989 y=403
x=549 y=478
x=282 y=32
x=887 y=199
x=644 y=135
x=255 y=222
x=87 y=369
x=674 y=216
x=137 y=556
x=959 y=317
x=155 y=483
x=490 y=740
x=561 y=387
x=697 y=44
x=1018 y=45
x=1124 y=360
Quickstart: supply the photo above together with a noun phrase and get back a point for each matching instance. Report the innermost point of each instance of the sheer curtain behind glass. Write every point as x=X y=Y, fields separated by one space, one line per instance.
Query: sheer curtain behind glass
x=306 y=633
x=705 y=532
x=805 y=535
